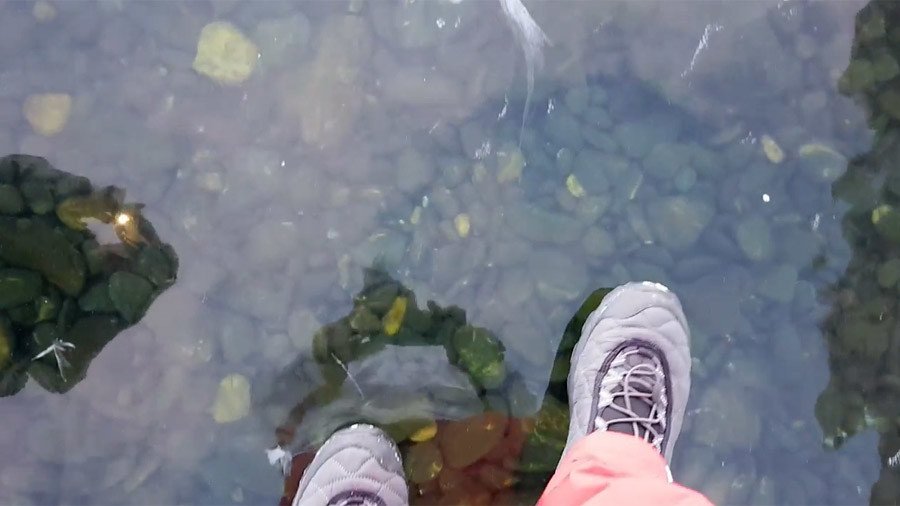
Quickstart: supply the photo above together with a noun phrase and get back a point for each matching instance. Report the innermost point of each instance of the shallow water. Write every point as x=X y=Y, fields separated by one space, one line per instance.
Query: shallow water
x=698 y=144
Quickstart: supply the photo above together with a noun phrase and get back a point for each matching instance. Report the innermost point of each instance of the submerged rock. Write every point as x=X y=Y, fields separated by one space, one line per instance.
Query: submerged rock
x=822 y=162
x=364 y=320
x=130 y=294
x=414 y=170
x=545 y=443
x=889 y=273
x=481 y=354
x=89 y=335
x=665 y=160
x=11 y=201
x=557 y=275
x=678 y=221
x=96 y=299
x=886 y=219
x=232 y=400
x=464 y=442
x=224 y=54
x=7 y=344
x=540 y=225
x=889 y=101
x=37 y=195
x=778 y=284
x=47 y=113
x=423 y=462
x=35 y=245
x=637 y=138
x=18 y=286
x=754 y=238
x=330 y=97
x=726 y=420
x=63 y=314
x=159 y=264
x=281 y=39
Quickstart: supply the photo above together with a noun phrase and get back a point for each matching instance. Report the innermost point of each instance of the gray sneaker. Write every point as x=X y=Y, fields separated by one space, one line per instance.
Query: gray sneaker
x=359 y=466
x=631 y=369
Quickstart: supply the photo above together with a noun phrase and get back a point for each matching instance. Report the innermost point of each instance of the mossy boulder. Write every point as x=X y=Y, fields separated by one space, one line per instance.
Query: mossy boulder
x=63 y=296
x=481 y=355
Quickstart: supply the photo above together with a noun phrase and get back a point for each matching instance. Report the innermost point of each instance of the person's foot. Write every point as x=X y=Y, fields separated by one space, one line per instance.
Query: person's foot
x=631 y=369
x=357 y=466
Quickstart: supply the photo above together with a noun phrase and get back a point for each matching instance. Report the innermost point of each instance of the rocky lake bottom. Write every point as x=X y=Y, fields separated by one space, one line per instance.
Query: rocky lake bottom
x=366 y=223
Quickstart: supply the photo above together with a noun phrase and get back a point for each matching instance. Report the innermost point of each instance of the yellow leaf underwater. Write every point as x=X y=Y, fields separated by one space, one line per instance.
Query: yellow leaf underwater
x=463 y=224
x=574 y=186
x=772 y=150
x=394 y=317
x=426 y=433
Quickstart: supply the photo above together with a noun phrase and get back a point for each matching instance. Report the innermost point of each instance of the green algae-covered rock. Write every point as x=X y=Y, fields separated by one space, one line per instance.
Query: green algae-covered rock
x=37 y=195
x=96 y=299
x=88 y=335
x=12 y=380
x=546 y=442
x=481 y=355
x=130 y=294
x=889 y=101
x=11 y=201
x=35 y=245
x=886 y=220
x=61 y=293
x=158 y=263
x=364 y=321
x=7 y=344
x=888 y=273
x=858 y=76
x=18 y=286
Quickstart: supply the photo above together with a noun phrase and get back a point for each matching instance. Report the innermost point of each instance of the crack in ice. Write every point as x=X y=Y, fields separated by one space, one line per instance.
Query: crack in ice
x=704 y=43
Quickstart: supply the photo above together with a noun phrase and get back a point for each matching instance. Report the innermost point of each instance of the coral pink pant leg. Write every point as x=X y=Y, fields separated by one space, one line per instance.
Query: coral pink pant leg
x=609 y=468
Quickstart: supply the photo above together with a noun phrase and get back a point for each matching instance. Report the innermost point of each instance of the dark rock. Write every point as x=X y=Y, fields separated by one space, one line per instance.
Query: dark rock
x=96 y=299
x=18 y=286
x=89 y=335
x=481 y=355
x=11 y=201
x=159 y=264
x=545 y=443
x=130 y=294
x=35 y=245
x=38 y=196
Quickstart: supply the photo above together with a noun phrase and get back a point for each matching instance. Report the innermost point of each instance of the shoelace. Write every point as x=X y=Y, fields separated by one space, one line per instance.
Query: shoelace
x=624 y=387
x=356 y=498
